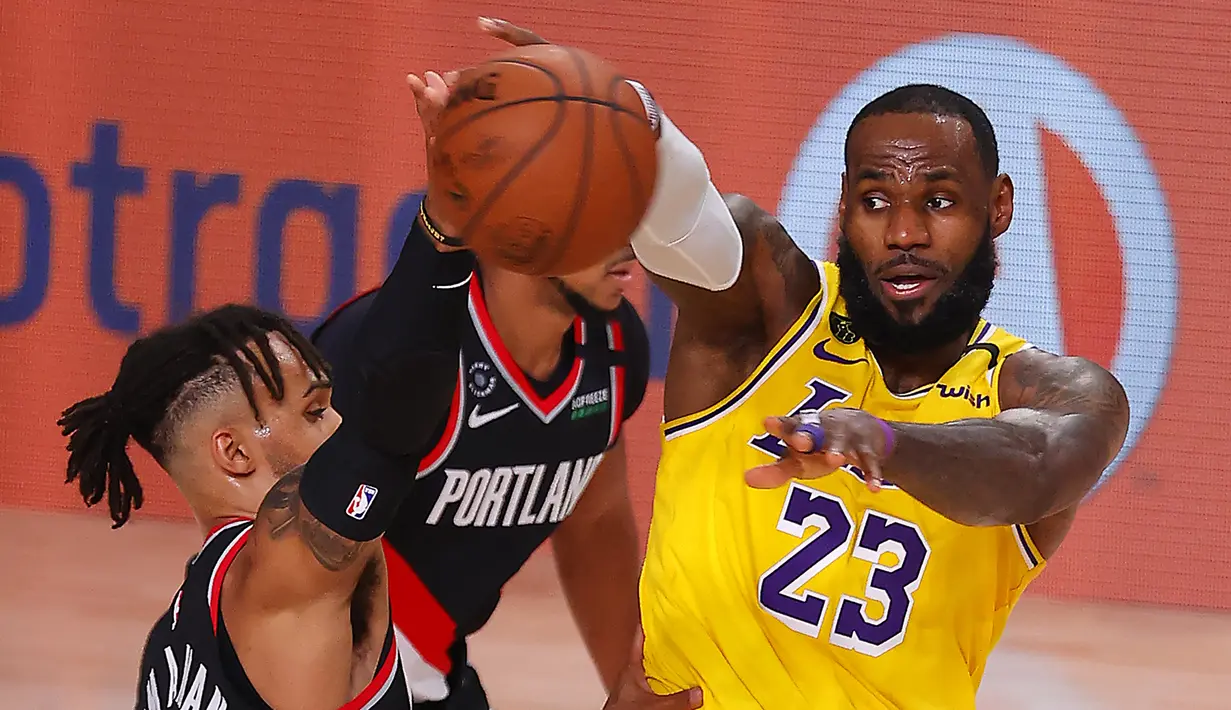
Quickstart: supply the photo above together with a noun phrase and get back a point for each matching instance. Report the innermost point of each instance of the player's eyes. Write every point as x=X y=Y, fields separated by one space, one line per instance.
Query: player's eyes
x=875 y=203
x=940 y=203
x=316 y=414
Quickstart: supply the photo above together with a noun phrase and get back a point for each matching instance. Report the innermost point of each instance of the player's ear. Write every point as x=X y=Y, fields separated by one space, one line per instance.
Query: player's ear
x=1001 y=207
x=231 y=453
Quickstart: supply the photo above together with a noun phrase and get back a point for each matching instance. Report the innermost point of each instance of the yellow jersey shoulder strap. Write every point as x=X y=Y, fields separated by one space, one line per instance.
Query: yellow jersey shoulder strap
x=989 y=347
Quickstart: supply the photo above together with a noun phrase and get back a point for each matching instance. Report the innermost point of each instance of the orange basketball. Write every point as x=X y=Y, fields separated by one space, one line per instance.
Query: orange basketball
x=546 y=159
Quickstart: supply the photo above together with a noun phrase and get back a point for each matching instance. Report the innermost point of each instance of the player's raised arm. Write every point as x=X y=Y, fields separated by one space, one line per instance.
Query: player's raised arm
x=723 y=331
x=735 y=275
x=318 y=523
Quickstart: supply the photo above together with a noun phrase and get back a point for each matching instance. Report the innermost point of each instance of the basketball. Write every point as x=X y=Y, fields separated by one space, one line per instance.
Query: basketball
x=545 y=160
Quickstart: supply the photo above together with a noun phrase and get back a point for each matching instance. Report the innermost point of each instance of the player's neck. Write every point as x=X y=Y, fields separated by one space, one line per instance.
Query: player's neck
x=213 y=507
x=905 y=373
x=529 y=321
x=211 y=517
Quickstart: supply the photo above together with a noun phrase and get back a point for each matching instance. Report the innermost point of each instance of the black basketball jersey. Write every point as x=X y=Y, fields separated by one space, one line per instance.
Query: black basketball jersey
x=189 y=664
x=511 y=463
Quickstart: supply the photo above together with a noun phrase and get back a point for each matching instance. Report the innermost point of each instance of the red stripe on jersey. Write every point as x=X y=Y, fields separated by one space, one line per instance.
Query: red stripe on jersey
x=220 y=573
x=380 y=681
x=615 y=335
x=417 y=614
x=453 y=428
x=544 y=405
x=617 y=404
x=222 y=524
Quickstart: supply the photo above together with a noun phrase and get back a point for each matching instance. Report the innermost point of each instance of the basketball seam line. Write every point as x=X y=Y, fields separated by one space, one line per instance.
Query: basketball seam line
x=500 y=187
x=561 y=98
x=584 y=173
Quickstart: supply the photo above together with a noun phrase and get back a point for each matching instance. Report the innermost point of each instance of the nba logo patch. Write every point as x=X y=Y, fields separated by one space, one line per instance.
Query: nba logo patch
x=359 y=505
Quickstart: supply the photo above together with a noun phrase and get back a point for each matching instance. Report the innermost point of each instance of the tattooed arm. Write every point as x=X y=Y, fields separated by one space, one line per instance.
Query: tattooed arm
x=288 y=604
x=296 y=559
x=720 y=336
x=1063 y=421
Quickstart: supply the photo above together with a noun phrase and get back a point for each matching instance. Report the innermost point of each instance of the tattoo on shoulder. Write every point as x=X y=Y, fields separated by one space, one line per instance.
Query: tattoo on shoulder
x=760 y=227
x=286 y=515
x=784 y=250
x=1071 y=384
x=762 y=230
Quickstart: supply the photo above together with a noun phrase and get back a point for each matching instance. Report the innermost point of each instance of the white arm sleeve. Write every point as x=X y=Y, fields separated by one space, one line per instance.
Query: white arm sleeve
x=687 y=233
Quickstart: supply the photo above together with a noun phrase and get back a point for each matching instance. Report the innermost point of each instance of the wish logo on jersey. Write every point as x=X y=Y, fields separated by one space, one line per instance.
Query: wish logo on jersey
x=963 y=392
x=508 y=496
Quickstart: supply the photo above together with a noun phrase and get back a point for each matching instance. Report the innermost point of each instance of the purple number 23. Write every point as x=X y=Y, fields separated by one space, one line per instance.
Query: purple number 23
x=892 y=586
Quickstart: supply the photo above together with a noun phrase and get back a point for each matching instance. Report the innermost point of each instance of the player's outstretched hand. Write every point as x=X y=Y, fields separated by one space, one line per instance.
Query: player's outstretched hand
x=431 y=93
x=510 y=33
x=633 y=692
x=818 y=443
x=432 y=89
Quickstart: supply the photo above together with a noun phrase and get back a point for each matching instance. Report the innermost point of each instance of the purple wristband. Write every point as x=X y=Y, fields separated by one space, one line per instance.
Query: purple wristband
x=888 y=436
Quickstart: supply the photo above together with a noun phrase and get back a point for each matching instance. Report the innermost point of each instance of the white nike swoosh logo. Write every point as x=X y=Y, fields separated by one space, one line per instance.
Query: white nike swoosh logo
x=463 y=282
x=477 y=420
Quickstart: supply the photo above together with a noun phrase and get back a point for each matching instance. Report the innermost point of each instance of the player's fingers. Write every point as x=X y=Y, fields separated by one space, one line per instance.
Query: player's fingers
x=804 y=438
x=509 y=32
x=773 y=475
x=832 y=460
x=836 y=439
x=435 y=82
x=780 y=427
x=870 y=464
x=451 y=78
x=803 y=441
x=417 y=85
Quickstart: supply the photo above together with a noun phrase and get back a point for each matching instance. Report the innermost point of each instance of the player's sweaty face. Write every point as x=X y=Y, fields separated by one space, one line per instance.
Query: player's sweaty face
x=301 y=421
x=604 y=285
x=915 y=207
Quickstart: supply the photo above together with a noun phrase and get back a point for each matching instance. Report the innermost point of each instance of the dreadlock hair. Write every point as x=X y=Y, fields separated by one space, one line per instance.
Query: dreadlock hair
x=938 y=101
x=163 y=378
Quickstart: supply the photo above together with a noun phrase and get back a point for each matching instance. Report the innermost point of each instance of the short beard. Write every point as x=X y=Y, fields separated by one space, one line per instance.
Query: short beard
x=954 y=315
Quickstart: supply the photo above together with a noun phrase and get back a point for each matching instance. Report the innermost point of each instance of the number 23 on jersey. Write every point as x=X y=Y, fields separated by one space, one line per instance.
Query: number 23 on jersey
x=891 y=585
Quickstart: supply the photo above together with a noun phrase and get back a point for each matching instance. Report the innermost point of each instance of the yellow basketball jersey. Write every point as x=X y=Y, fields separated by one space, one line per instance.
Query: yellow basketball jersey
x=822 y=594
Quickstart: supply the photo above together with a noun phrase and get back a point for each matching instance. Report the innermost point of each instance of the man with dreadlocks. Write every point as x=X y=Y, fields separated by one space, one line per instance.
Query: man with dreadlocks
x=286 y=605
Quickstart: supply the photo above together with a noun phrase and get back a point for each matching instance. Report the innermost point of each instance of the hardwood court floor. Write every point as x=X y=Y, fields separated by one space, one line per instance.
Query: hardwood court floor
x=76 y=600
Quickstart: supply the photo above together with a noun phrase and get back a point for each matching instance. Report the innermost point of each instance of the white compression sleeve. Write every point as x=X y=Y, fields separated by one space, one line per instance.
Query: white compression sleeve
x=687 y=233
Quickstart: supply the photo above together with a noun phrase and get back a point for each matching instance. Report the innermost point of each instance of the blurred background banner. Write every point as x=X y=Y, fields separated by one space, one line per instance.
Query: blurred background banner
x=157 y=158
